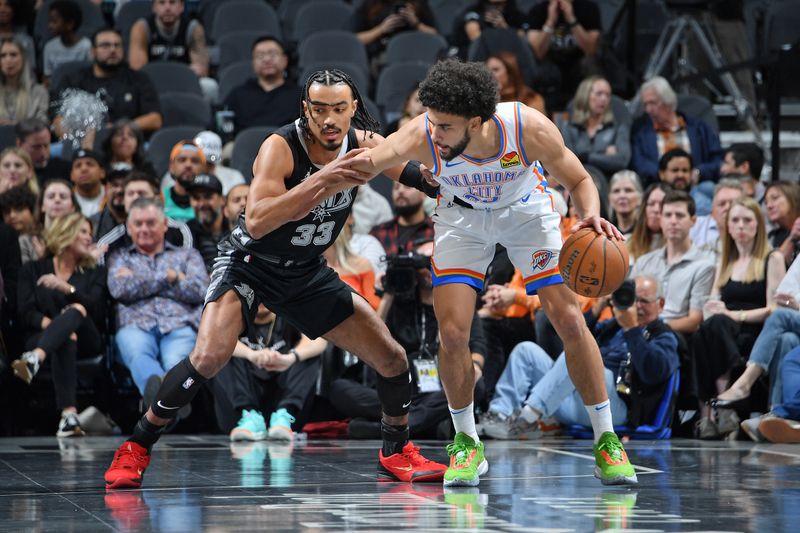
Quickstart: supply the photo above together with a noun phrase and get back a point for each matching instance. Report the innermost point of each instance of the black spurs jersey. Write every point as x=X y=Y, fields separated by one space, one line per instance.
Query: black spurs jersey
x=308 y=237
x=162 y=48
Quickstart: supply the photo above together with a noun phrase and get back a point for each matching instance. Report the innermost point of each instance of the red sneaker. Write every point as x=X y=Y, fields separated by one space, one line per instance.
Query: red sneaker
x=409 y=465
x=128 y=466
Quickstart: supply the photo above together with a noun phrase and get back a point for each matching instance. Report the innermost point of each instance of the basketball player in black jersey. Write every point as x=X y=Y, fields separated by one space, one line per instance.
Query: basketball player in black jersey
x=300 y=197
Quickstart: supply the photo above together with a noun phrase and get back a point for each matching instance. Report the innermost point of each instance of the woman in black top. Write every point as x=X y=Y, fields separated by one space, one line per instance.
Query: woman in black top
x=62 y=308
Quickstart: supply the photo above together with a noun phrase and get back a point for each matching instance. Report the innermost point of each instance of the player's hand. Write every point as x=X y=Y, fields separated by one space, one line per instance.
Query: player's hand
x=344 y=171
x=428 y=175
x=601 y=226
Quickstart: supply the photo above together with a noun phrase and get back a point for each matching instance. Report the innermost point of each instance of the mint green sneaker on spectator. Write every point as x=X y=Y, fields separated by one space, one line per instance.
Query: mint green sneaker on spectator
x=250 y=427
x=280 y=425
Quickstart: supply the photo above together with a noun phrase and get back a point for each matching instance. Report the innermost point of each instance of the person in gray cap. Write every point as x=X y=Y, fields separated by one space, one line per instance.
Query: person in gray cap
x=87 y=175
x=209 y=225
x=211 y=144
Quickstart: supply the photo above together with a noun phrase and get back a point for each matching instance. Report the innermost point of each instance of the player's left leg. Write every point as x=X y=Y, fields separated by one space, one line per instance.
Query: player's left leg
x=366 y=336
x=585 y=366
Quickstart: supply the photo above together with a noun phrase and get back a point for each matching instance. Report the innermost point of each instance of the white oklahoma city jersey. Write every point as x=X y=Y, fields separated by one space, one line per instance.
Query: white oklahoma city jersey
x=510 y=206
x=497 y=181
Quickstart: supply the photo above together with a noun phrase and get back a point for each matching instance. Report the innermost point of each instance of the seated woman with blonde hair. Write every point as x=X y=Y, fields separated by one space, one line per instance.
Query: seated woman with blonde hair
x=20 y=96
x=353 y=269
x=646 y=235
x=16 y=168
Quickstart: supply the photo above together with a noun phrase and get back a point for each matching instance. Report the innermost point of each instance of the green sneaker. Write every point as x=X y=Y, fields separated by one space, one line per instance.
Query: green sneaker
x=466 y=462
x=611 y=462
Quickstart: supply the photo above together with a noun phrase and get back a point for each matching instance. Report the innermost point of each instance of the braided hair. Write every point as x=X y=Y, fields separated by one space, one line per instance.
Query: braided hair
x=361 y=120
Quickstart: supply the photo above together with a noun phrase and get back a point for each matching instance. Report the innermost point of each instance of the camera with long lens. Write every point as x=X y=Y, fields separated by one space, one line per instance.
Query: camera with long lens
x=625 y=295
x=401 y=272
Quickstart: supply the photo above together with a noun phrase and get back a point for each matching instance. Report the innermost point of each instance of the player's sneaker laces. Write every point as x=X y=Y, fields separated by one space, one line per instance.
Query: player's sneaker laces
x=280 y=425
x=611 y=462
x=251 y=426
x=128 y=466
x=409 y=465
x=467 y=463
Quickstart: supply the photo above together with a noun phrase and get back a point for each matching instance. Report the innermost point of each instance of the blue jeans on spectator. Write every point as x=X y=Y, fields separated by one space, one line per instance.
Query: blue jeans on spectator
x=703 y=196
x=790 y=371
x=777 y=338
x=531 y=377
x=148 y=353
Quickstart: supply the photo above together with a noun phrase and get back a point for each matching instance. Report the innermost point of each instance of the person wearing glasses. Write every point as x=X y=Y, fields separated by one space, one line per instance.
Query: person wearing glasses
x=127 y=93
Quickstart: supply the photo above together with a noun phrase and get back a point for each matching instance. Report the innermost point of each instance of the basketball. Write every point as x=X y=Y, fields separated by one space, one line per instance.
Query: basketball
x=592 y=264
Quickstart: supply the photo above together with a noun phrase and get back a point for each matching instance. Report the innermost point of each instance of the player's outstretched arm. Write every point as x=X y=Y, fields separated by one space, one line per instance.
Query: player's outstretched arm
x=270 y=205
x=543 y=139
x=390 y=155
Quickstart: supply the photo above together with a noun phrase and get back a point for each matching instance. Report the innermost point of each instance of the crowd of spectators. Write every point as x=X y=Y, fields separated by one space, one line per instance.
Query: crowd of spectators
x=101 y=255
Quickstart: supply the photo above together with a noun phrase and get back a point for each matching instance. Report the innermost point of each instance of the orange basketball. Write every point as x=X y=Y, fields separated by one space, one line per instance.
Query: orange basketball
x=592 y=264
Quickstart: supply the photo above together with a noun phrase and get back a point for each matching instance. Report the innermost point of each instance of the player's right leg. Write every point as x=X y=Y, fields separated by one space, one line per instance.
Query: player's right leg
x=220 y=326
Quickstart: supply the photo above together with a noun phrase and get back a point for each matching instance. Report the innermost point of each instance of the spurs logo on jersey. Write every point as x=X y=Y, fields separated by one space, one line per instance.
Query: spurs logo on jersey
x=337 y=202
x=497 y=181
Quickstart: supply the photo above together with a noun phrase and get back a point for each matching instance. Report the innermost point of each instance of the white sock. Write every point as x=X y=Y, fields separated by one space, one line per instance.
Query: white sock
x=600 y=415
x=529 y=414
x=464 y=421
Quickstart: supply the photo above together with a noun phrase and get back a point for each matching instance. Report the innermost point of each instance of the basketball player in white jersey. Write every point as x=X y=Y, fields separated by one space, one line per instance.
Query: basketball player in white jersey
x=487 y=159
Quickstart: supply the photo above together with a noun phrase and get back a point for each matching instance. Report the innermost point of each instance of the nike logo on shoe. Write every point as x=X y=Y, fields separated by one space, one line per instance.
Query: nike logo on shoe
x=161 y=405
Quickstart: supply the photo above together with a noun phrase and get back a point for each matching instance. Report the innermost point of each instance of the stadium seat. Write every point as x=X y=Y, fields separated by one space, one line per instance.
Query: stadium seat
x=65 y=68
x=696 y=106
x=443 y=12
x=414 y=46
x=239 y=15
x=245 y=149
x=394 y=84
x=316 y=17
x=658 y=428
x=185 y=109
x=162 y=142
x=237 y=46
x=287 y=11
x=172 y=77
x=128 y=14
x=317 y=48
x=233 y=75
x=493 y=40
x=8 y=136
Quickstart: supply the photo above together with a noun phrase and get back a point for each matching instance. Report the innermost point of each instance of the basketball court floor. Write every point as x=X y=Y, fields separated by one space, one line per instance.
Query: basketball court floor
x=204 y=483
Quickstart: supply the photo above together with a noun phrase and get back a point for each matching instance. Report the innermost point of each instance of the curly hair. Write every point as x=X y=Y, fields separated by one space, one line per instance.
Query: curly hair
x=462 y=89
x=361 y=120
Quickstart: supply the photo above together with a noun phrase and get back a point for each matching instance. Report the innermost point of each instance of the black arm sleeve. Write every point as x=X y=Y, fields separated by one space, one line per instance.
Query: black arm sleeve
x=412 y=177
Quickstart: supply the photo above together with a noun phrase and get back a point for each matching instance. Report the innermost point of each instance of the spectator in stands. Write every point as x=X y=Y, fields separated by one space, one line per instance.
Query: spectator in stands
x=16 y=168
x=62 y=308
x=113 y=212
x=274 y=369
x=686 y=273
x=57 y=199
x=505 y=68
x=13 y=27
x=565 y=38
x=646 y=235
x=169 y=35
x=370 y=209
x=124 y=145
x=476 y=17
x=782 y=201
x=138 y=185
x=412 y=107
x=353 y=269
x=17 y=205
x=782 y=423
x=33 y=136
x=126 y=92
x=20 y=96
x=269 y=99
x=748 y=273
x=235 y=201
x=209 y=225
x=624 y=200
x=64 y=18
x=640 y=353
x=592 y=131
x=705 y=232
x=186 y=160
x=211 y=145
x=777 y=338
x=410 y=223
x=676 y=168
x=663 y=128
x=408 y=312
x=745 y=159
x=159 y=291
x=377 y=21
x=88 y=174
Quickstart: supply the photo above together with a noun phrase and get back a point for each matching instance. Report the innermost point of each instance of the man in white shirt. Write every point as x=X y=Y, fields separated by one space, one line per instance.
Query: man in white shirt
x=706 y=230
x=87 y=175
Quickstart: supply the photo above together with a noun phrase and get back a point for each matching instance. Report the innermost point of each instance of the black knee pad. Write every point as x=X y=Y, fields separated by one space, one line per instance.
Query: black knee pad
x=395 y=393
x=179 y=387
